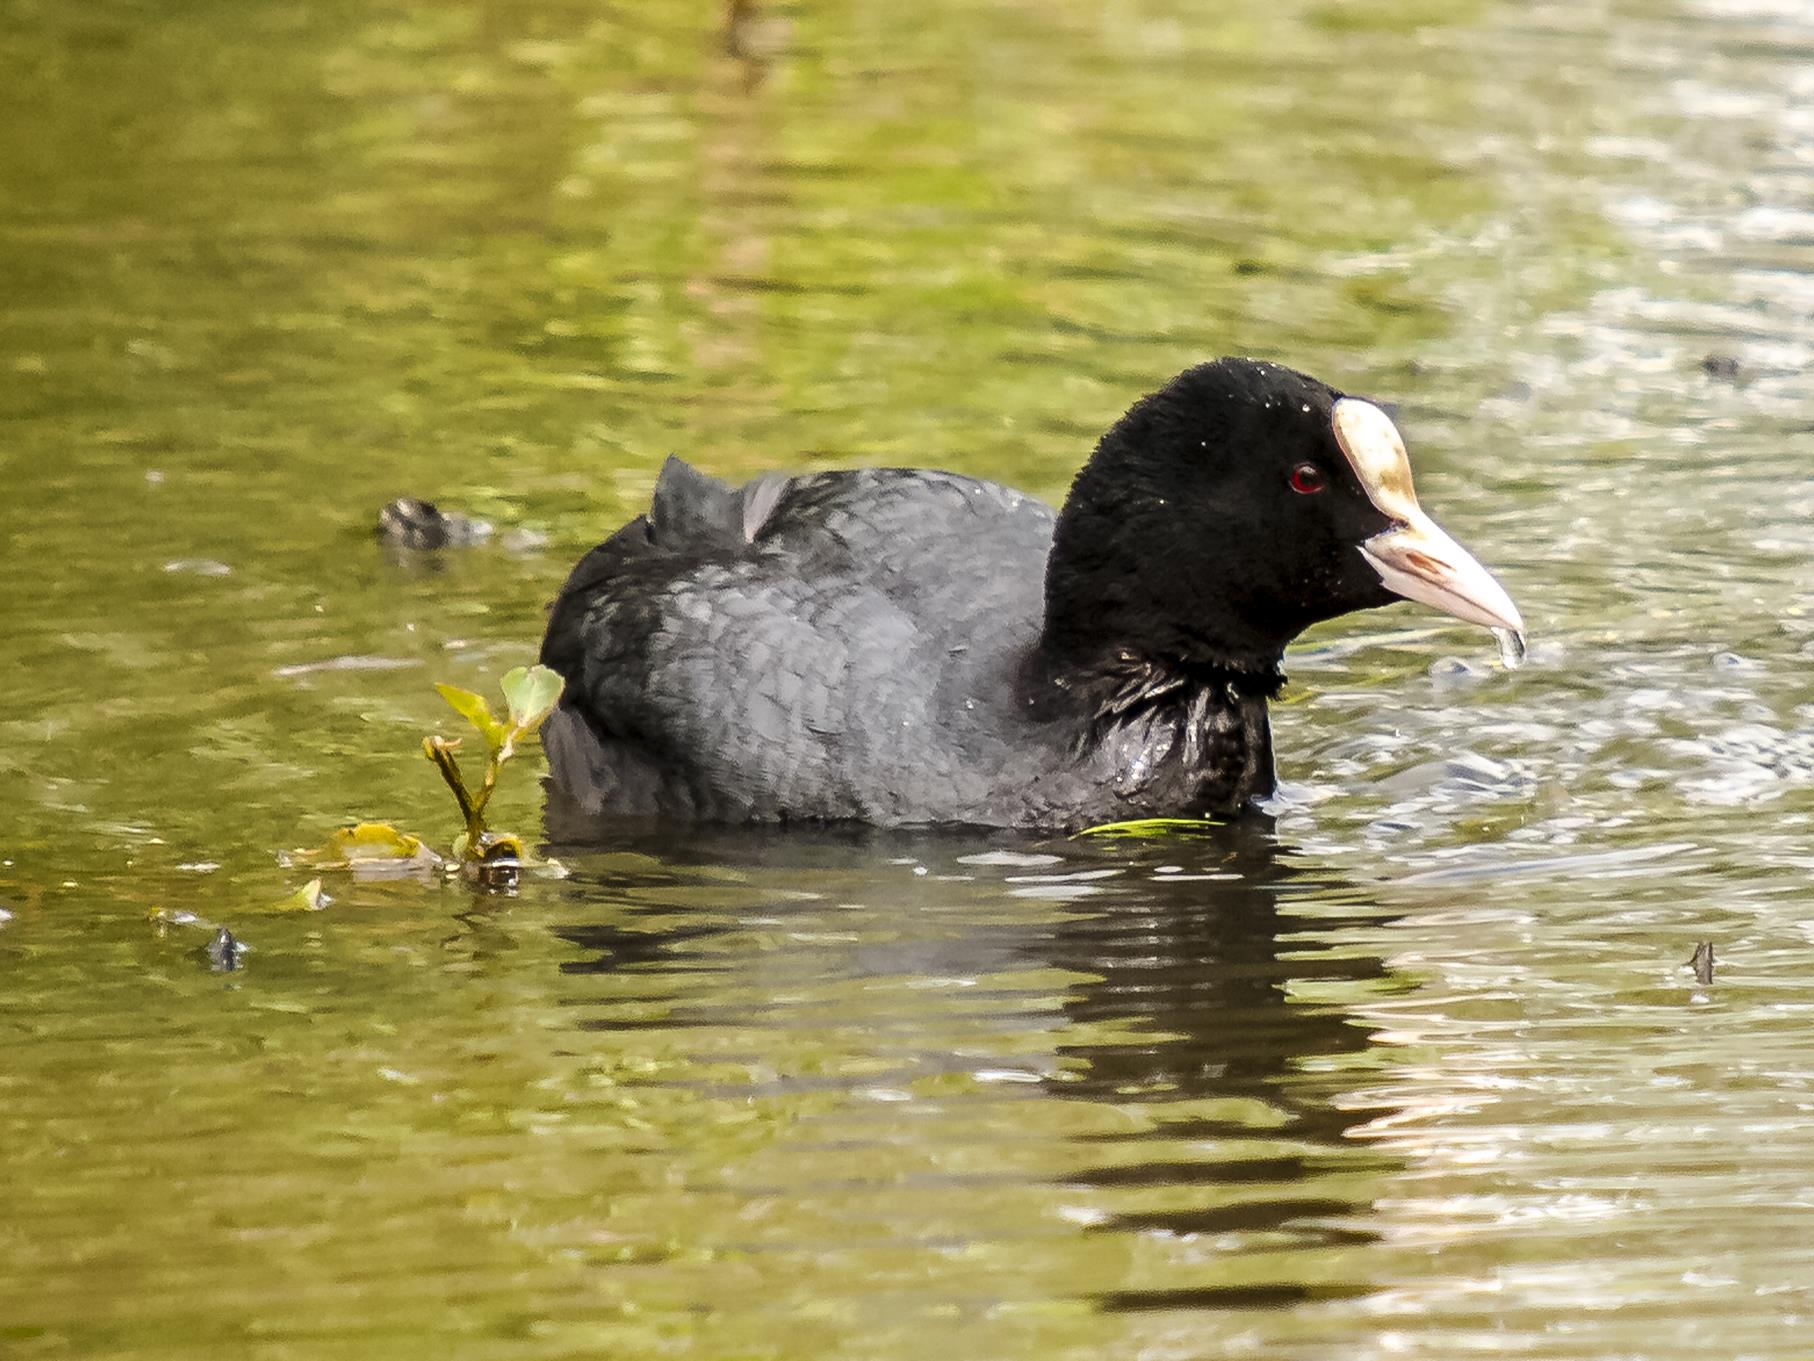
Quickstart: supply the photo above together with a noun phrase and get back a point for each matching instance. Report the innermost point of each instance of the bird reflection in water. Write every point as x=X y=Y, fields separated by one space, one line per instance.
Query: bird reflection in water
x=1184 y=1006
x=1203 y=972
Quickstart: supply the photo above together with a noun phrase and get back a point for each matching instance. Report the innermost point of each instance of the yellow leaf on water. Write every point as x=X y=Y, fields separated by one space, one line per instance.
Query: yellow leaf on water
x=375 y=841
x=370 y=846
x=308 y=898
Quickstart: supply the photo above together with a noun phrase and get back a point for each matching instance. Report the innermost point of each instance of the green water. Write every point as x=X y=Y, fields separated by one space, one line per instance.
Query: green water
x=1418 y=1072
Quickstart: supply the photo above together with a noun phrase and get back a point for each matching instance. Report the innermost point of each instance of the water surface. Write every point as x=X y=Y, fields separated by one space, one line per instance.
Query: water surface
x=1416 y=1071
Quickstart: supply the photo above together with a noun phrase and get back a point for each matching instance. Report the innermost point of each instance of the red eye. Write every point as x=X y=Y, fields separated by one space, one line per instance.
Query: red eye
x=1307 y=479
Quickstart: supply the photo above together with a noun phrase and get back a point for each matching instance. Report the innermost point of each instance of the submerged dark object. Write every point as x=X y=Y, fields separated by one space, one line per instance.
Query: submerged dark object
x=223 y=951
x=409 y=523
x=906 y=646
x=1702 y=962
x=500 y=864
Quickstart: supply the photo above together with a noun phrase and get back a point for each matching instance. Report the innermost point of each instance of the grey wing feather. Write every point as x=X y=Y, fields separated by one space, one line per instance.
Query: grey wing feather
x=784 y=649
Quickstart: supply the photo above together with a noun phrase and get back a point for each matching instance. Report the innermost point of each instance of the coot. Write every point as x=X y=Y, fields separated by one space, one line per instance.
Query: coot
x=903 y=646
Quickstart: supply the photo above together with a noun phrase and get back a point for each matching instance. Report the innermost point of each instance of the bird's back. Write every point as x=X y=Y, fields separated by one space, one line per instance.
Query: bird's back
x=836 y=645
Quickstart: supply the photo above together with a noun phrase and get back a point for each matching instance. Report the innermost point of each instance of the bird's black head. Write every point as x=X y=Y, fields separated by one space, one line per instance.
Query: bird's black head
x=1232 y=509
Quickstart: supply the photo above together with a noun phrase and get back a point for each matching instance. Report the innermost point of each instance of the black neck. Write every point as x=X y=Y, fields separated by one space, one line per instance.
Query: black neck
x=1120 y=578
x=1177 y=739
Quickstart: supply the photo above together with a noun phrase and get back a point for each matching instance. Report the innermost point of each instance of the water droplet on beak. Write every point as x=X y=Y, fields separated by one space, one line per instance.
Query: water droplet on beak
x=1511 y=648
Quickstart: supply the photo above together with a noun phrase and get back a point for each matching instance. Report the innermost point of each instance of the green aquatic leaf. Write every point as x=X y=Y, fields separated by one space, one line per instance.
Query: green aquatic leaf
x=475 y=710
x=1148 y=829
x=532 y=691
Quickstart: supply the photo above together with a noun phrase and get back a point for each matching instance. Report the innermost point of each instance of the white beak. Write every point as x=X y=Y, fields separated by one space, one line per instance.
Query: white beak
x=1420 y=562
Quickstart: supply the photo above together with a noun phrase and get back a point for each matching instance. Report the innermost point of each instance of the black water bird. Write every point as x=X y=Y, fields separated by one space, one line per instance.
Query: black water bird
x=903 y=646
